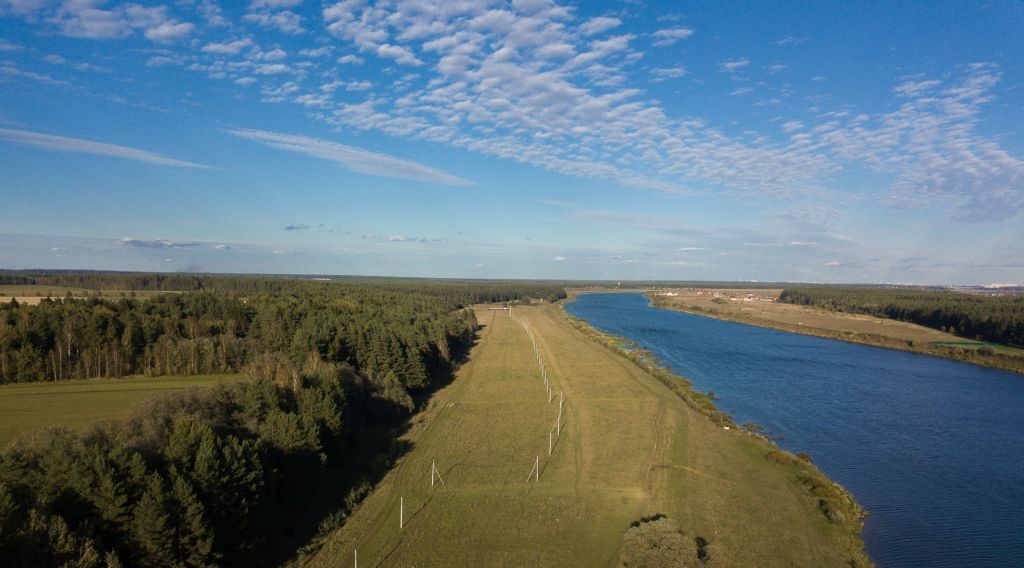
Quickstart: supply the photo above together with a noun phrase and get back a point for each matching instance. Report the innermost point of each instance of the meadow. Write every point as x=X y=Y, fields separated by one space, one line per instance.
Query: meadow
x=78 y=404
x=630 y=448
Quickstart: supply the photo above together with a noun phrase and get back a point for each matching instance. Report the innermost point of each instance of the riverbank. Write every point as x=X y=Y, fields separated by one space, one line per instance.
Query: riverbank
x=832 y=500
x=763 y=311
x=630 y=448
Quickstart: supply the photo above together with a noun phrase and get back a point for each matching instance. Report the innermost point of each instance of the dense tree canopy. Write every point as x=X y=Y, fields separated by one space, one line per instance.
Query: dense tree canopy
x=402 y=327
x=209 y=477
x=997 y=319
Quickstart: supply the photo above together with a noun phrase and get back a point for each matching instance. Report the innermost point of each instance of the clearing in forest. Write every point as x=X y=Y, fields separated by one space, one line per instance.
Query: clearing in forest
x=78 y=404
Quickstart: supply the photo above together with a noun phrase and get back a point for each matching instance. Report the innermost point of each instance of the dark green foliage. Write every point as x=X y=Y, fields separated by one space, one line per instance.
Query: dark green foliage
x=193 y=480
x=408 y=327
x=998 y=319
x=205 y=478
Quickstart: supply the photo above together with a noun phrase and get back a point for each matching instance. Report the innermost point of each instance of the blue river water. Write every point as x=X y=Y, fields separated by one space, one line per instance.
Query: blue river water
x=932 y=448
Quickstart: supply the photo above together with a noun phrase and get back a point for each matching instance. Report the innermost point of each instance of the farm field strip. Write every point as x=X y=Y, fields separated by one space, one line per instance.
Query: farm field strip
x=629 y=448
x=77 y=404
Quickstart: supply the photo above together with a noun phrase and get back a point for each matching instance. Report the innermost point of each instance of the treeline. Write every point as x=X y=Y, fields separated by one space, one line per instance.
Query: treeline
x=998 y=319
x=398 y=328
x=456 y=291
x=223 y=476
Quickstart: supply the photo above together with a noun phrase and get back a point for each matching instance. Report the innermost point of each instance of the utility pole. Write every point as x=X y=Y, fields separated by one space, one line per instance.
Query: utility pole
x=433 y=471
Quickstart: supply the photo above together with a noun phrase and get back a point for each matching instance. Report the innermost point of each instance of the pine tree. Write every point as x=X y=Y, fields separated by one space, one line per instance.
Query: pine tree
x=152 y=528
x=194 y=540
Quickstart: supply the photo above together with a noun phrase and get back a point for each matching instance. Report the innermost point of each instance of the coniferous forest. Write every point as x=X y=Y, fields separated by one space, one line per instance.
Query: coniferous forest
x=998 y=319
x=222 y=476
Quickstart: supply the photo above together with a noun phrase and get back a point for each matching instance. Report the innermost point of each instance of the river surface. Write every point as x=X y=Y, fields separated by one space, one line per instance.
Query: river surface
x=932 y=448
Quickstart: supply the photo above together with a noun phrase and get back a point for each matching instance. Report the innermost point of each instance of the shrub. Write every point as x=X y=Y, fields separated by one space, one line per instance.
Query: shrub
x=658 y=542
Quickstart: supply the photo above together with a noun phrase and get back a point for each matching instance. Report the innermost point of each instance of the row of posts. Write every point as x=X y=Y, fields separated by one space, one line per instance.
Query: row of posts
x=556 y=429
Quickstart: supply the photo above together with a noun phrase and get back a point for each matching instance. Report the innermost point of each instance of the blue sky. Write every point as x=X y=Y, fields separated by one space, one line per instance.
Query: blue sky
x=831 y=142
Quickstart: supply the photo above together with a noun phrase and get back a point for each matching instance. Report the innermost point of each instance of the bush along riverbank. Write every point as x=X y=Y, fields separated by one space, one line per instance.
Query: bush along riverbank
x=836 y=503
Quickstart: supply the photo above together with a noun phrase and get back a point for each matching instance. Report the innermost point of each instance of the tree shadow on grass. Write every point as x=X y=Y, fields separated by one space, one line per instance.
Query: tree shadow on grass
x=322 y=500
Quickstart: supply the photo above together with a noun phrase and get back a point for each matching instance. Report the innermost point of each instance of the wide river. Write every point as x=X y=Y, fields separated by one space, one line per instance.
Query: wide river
x=932 y=448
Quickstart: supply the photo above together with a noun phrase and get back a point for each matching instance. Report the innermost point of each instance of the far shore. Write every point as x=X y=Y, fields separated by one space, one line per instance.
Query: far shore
x=760 y=307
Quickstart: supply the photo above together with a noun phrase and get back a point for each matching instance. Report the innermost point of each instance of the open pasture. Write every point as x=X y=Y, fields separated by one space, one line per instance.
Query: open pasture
x=80 y=403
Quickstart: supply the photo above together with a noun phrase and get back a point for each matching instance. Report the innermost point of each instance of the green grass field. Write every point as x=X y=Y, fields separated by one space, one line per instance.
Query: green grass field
x=79 y=404
x=629 y=448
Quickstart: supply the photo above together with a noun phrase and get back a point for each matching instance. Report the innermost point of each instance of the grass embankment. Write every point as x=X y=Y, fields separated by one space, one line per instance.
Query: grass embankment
x=79 y=404
x=855 y=328
x=631 y=448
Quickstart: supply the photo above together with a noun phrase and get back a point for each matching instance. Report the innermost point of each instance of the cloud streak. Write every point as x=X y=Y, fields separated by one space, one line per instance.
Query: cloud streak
x=355 y=159
x=80 y=146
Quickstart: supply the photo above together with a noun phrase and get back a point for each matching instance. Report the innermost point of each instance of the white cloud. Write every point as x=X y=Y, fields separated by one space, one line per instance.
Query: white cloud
x=228 y=48
x=271 y=69
x=212 y=13
x=8 y=46
x=355 y=159
x=286 y=21
x=534 y=84
x=322 y=51
x=669 y=36
x=12 y=71
x=358 y=85
x=915 y=88
x=558 y=259
x=669 y=72
x=400 y=54
x=790 y=40
x=598 y=25
x=156 y=243
x=276 y=54
x=350 y=60
x=274 y=4
x=90 y=20
x=80 y=146
x=792 y=125
x=169 y=31
x=733 y=65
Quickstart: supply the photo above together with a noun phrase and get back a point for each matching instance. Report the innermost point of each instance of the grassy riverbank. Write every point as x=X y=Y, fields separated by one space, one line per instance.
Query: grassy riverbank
x=761 y=310
x=636 y=443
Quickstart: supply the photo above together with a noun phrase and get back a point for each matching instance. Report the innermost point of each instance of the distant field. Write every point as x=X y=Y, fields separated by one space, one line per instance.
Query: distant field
x=79 y=404
x=629 y=448
x=33 y=293
x=800 y=316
